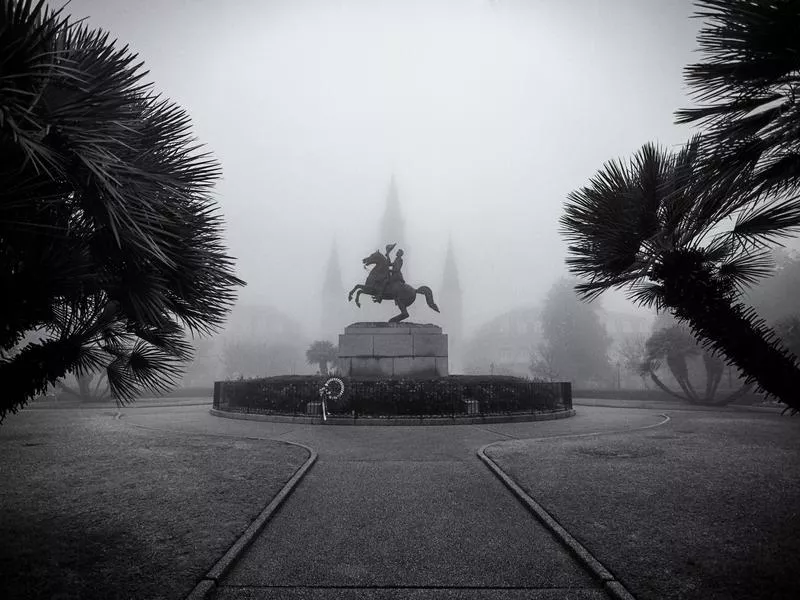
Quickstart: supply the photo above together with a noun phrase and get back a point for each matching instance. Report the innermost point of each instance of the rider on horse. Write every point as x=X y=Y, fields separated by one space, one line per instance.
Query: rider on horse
x=395 y=271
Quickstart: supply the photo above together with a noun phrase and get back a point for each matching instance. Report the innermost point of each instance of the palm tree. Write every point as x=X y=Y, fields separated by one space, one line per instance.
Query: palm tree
x=321 y=353
x=110 y=241
x=659 y=229
x=747 y=88
x=676 y=345
x=85 y=390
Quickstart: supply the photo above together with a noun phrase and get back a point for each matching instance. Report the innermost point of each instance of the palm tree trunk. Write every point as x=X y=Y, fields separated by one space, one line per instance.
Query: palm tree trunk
x=735 y=395
x=733 y=330
x=84 y=386
x=714 y=369
x=663 y=386
x=679 y=370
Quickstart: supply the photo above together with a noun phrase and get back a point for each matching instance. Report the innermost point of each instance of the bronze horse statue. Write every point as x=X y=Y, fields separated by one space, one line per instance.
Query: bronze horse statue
x=397 y=290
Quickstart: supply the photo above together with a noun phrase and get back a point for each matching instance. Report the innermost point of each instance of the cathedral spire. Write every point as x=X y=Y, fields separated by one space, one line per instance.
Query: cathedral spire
x=392 y=224
x=452 y=307
x=333 y=273
x=450 y=281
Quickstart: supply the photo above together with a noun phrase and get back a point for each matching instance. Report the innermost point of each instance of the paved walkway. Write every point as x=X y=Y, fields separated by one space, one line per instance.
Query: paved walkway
x=402 y=512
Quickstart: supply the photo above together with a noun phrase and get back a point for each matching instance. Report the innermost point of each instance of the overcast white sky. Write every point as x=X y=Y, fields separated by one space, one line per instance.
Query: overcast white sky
x=489 y=113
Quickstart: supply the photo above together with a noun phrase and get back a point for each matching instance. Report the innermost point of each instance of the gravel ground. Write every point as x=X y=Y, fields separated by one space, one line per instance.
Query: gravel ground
x=706 y=506
x=92 y=507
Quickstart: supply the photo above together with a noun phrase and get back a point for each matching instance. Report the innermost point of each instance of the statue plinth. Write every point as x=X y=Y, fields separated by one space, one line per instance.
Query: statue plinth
x=393 y=350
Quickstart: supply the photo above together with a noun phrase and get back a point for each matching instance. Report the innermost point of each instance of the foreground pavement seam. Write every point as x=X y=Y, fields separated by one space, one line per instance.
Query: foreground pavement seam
x=506 y=435
x=594 y=566
x=610 y=584
x=208 y=584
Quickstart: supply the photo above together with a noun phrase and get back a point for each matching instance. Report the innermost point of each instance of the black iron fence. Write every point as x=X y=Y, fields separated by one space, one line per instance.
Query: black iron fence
x=456 y=395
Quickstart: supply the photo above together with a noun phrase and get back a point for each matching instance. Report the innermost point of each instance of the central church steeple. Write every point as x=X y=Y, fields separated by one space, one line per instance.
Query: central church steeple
x=393 y=227
x=452 y=309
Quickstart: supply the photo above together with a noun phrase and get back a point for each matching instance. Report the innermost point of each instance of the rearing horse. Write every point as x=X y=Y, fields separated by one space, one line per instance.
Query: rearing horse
x=402 y=293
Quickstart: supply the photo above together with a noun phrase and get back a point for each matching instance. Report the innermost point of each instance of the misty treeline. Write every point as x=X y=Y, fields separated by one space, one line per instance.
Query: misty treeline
x=688 y=231
x=567 y=339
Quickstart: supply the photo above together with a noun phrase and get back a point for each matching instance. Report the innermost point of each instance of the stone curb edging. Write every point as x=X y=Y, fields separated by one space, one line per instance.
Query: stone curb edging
x=372 y=421
x=610 y=584
x=676 y=406
x=207 y=585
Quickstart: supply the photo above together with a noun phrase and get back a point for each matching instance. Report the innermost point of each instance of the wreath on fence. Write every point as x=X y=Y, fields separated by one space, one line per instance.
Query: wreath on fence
x=329 y=389
x=328 y=392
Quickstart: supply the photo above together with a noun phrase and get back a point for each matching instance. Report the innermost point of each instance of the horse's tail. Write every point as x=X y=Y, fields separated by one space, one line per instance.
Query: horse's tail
x=424 y=289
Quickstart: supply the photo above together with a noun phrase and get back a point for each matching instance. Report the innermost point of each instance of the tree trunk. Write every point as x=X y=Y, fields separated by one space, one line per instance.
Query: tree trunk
x=680 y=371
x=735 y=395
x=664 y=387
x=106 y=393
x=728 y=327
x=323 y=367
x=714 y=370
x=84 y=386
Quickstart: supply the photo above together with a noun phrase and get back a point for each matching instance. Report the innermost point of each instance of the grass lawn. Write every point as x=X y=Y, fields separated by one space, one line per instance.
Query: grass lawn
x=91 y=507
x=707 y=506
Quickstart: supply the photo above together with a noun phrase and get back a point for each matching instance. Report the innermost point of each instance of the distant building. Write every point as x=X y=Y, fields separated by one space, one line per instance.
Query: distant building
x=261 y=322
x=261 y=340
x=504 y=345
x=622 y=325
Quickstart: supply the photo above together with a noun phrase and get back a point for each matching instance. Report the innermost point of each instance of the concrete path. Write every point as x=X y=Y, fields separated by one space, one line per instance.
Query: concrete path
x=402 y=512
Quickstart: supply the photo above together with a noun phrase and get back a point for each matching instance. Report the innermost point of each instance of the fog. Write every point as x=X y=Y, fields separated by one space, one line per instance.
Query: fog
x=487 y=114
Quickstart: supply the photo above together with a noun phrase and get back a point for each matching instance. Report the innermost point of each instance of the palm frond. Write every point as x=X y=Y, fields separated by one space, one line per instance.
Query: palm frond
x=749 y=45
x=648 y=294
x=608 y=221
x=746 y=269
x=768 y=223
x=747 y=88
x=107 y=218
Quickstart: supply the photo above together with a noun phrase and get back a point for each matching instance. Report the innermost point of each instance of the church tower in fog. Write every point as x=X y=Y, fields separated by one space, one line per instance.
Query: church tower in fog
x=450 y=299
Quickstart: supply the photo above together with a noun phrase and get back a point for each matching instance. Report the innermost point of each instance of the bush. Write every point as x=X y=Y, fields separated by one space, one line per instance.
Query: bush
x=395 y=397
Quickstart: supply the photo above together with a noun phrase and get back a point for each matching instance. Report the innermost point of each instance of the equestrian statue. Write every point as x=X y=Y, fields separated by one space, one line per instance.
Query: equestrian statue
x=385 y=282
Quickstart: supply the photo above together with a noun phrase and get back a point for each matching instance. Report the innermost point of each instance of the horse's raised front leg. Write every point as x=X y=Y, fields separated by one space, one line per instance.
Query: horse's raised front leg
x=358 y=286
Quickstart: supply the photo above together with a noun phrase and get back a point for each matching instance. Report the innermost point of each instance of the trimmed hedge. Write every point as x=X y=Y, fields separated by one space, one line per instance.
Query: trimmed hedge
x=453 y=395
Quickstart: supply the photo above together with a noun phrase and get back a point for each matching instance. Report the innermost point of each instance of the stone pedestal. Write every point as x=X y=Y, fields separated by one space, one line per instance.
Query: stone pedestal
x=393 y=350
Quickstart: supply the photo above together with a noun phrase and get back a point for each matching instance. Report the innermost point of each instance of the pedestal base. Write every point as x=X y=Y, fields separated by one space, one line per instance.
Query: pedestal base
x=393 y=350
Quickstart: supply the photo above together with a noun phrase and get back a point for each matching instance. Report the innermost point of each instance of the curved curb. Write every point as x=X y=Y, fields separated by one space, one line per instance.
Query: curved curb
x=611 y=585
x=395 y=421
x=208 y=584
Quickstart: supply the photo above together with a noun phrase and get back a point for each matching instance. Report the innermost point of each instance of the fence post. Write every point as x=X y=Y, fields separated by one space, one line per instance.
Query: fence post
x=566 y=394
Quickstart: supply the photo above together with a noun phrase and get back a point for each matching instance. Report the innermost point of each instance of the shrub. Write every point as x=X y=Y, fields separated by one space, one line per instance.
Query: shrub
x=395 y=397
